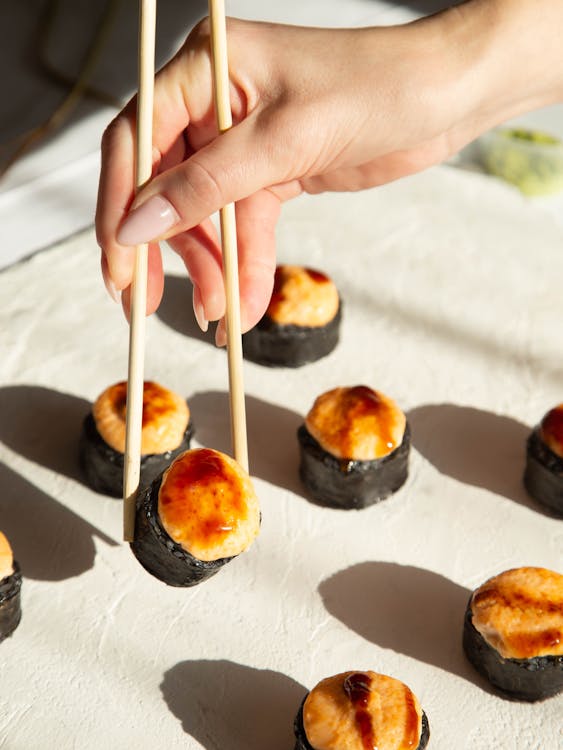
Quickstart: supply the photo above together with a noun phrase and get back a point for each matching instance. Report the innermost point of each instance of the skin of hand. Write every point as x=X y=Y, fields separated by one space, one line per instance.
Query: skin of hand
x=313 y=110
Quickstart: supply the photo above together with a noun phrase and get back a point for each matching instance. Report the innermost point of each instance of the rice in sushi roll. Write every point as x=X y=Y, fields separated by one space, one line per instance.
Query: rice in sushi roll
x=361 y=711
x=10 y=588
x=193 y=519
x=543 y=477
x=354 y=448
x=513 y=632
x=166 y=432
x=302 y=322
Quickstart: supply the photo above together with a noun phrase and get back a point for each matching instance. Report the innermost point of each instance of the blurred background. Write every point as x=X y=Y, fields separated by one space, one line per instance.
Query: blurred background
x=70 y=64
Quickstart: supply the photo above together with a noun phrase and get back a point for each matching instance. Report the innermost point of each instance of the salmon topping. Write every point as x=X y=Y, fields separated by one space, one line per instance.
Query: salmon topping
x=208 y=506
x=551 y=430
x=302 y=297
x=6 y=558
x=356 y=423
x=520 y=613
x=165 y=418
x=362 y=711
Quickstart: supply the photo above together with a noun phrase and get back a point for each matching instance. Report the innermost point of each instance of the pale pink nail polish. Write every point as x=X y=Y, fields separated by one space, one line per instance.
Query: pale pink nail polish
x=147 y=222
x=199 y=312
x=221 y=333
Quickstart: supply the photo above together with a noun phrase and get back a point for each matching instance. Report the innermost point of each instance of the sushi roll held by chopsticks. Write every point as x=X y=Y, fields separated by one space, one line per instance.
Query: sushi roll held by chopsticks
x=354 y=448
x=513 y=632
x=195 y=517
x=360 y=710
x=167 y=430
x=10 y=588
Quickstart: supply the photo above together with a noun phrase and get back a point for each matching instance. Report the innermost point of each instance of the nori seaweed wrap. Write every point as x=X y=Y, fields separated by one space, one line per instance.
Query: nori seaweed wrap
x=102 y=463
x=302 y=322
x=195 y=518
x=521 y=650
x=365 y=454
x=543 y=476
x=404 y=727
x=10 y=588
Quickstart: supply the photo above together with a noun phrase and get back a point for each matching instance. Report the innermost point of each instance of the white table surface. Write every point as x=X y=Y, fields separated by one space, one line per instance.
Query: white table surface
x=452 y=289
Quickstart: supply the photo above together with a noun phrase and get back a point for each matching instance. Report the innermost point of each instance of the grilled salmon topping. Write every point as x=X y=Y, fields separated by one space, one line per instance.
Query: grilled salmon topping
x=6 y=558
x=302 y=297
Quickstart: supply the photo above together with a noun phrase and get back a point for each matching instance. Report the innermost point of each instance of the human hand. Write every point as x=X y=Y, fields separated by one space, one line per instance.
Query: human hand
x=313 y=110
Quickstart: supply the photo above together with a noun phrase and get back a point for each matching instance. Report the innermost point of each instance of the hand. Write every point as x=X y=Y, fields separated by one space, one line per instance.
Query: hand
x=313 y=110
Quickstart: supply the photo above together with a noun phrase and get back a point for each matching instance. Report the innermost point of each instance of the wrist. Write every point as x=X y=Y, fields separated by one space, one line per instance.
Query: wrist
x=506 y=56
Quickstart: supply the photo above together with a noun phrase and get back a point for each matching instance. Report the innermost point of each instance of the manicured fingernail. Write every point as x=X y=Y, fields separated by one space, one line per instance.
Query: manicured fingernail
x=112 y=290
x=221 y=333
x=147 y=222
x=199 y=312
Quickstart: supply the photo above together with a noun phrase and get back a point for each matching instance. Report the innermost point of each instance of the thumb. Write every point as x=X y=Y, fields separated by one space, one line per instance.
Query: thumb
x=233 y=166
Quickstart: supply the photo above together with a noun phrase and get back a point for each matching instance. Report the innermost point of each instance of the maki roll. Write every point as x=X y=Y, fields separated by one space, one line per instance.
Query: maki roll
x=543 y=477
x=195 y=517
x=166 y=432
x=354 y=448
x=513 y=632
x=302 y=322
x=10 y=588
x=361 y=711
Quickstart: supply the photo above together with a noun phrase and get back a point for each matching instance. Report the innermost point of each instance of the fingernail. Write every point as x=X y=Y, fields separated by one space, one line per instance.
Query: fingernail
x=112 y=290
x=147 y=222
x=199 y=312
x=221 y=333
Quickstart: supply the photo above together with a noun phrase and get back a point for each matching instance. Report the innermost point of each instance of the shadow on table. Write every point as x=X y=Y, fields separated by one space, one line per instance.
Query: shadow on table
x=50 y=542
x=272 y=435
x=176 y=309
x=474 y=446
x=44 y=426
x=226 y=705
x=409 y=610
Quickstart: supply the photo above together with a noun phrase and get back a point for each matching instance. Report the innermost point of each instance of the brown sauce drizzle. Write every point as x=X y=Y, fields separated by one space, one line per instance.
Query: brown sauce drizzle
x=215 y=517
x=552 y=426
x=361 y=401
x=525 y=643
x=412 y=734
x=156 y=401
x=357 y=687
x=316 y=276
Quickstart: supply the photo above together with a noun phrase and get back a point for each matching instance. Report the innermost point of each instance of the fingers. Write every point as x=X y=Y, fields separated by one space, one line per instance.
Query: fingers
x=155 y=283
x=233 y=166
x=199 y=249
x=256 y=222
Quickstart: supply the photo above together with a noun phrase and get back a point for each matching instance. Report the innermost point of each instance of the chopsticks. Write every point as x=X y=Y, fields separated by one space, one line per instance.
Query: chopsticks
x=143 y=170
x=229 y=239
x=135 y=381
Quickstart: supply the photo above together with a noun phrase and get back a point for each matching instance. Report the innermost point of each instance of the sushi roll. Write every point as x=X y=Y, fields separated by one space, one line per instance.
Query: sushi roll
x=166 y=432
x=543 y=476
x=195 y=517
x=513 y=632
x=10 y=588
x=354 y=448
x=361 y=711
x=302 y=322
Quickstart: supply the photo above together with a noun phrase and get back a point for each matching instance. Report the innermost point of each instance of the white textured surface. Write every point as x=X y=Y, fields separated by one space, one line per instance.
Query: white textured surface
x=453 y=306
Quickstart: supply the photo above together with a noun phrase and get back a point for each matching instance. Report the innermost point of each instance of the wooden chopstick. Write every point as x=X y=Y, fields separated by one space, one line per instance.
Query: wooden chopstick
x=229 y=239
x=143 y=170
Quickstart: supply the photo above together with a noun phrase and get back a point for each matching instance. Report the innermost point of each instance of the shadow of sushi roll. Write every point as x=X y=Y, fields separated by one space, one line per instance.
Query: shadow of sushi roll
x=543 y=475
x=516 y=660
x=165 y=416
x=354 y=729
x=10 y=602
x=201 y=505
x=302 y=322
x=364 y=457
